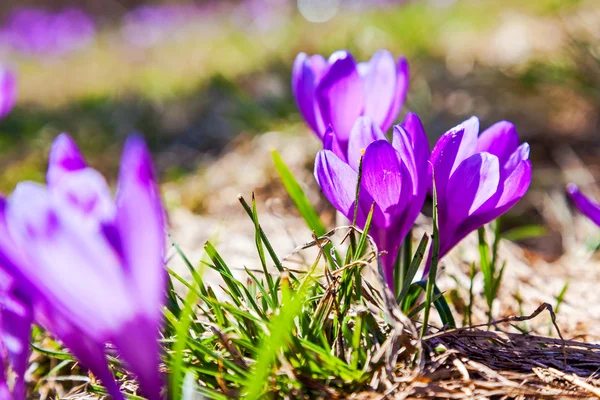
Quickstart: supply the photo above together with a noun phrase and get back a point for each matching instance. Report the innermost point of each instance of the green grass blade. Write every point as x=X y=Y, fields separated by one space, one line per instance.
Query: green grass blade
x=414 y=267
x=357 y=193
x=182 y=333
x=434 y=262
x=297 y=195
x=280 y=330
x=263 y=236
x=362 y=241
x=440 y=304
x=261 y=253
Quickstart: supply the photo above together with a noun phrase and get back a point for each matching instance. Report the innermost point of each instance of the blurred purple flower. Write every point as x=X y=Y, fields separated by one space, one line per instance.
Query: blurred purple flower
x=587 y=206
x=38 y=32
x=395 y=177
x=16 y=317
x=93 y=266
x=8 y=91
x=148 y=25
x=477 y=179
x=337 y=91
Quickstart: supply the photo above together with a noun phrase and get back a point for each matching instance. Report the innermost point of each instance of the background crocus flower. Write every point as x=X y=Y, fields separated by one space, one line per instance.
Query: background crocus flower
x=477 y=179
x=8 y=91
x=94 y=265
x=35 y=31
x=337 y=91
x=587 y=206
x=394 y=178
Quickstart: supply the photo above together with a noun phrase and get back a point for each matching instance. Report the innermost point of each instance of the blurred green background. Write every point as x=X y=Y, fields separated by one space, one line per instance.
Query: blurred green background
x=225 y=72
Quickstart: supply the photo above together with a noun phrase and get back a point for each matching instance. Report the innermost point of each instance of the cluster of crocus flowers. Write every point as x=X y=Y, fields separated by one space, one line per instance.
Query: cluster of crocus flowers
x=477 y=177
x=89 y=267
x=587 y=206
x=8 y=91
x=335 y=92
x=394 y=181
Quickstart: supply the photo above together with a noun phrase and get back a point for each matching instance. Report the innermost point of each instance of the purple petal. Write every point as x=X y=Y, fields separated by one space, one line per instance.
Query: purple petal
x=515 y=159
x=16 y=317
x=89 y=353
x=337 y=181
x=85 y=191
x=340 y=95
x=588 y=207
x=474 y=182
x=137 y=343
x=514 y=187
x=500 y=139
x=452 y=149
x=401 y=141
x=389 y=241
x=8 y=91
x=413 y=125
x=331 y=143
x=380 y=82
x=402 y=82
x=64 y=157
x=75 y=269
x=141 y=223
x=510 y=191
x=364 y=132
x=386 y=180
x=414 y=153
x=304 y=82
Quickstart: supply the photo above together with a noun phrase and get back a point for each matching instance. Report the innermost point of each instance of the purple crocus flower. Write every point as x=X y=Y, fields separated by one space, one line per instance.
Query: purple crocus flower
x=8 y=91
x=337 y=91
x=477 y=179
x=395 y=177
x=587 y=206
x=35 y=31
x=93 y=267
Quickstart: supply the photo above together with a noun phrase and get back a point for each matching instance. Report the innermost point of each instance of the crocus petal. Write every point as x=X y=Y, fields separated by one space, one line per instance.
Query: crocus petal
x=85 y=191
x=75 y=270
x=16 y=328
x=386 y=180
x=64 y=157
x=380 y=82
x=402 y=82
x=401 y=141
x=514 y=186
x=340 y=95
x=413 y=125
x=337 y=181
x=331 y=143
x=452 y=149
x=137 y=342
x=89 y=353
x=141 y=226
x=515 y=159
x=474 y=182
x=414 y=152
x=500 y=139
x=364 y=132
x=8 y=91
x=304 y=82
x=588 y=207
